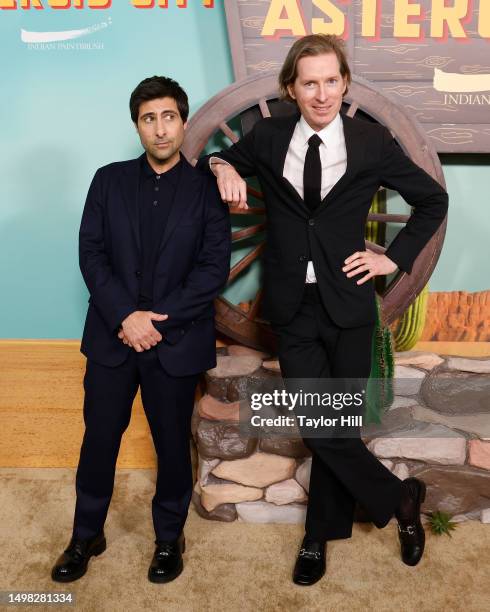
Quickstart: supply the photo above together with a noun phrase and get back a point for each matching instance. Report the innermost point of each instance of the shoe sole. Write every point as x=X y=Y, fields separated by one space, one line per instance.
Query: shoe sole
x=98 y=550
x=308 y=583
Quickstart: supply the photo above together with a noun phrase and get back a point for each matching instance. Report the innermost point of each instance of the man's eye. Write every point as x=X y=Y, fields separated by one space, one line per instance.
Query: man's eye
x=148 y=119
x=169 y=117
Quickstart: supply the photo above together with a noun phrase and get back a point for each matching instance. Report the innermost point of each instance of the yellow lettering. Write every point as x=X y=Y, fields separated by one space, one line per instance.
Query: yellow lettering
x=293 y=21
x=484 y=19
x=143 y=3
x=448 y=14
x=99 y=4
x=27 y=4
x=59 y=4
x=403 y=10
x=368 y=24
x=320 y=26
x=8 y=4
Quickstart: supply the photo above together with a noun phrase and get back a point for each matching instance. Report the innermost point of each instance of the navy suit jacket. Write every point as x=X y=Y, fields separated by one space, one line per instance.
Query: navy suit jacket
x=192 y=267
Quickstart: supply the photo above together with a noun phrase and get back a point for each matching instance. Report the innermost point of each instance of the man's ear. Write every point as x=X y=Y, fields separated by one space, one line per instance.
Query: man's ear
x=185 y=125
x=291 y=91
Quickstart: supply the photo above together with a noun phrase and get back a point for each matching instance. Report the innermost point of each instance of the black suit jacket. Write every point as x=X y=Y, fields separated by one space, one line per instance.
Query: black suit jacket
x=336 y=229
x=191 y=269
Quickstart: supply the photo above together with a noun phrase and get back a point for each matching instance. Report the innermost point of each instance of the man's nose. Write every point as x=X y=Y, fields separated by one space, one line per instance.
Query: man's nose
x=321 y=93
x=160 y=127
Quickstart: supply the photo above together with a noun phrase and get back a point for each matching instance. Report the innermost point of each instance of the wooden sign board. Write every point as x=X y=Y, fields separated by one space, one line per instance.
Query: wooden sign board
x=431 y=56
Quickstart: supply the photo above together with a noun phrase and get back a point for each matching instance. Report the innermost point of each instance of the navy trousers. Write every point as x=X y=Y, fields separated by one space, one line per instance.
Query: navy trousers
x=168 y=403
x=343 y=470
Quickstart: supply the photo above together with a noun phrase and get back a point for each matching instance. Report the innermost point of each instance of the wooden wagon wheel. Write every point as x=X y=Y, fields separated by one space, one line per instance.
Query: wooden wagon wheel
x=259 y=93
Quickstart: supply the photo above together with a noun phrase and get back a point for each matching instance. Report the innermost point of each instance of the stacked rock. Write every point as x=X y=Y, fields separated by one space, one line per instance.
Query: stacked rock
x=438 y=428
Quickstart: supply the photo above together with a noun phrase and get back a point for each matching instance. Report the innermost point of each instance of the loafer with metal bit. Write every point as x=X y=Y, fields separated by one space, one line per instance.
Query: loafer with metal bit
x=410 y=530
x=310 y=564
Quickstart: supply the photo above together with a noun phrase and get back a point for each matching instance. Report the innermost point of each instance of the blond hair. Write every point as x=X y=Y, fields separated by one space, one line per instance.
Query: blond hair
x=314 y=44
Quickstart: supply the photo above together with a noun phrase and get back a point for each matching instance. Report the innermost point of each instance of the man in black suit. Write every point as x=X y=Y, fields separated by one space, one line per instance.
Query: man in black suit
x=319 y=170
x=154 y=253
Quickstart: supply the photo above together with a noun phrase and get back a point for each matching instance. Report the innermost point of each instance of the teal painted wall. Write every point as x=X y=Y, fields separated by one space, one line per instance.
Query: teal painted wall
x=64 y=113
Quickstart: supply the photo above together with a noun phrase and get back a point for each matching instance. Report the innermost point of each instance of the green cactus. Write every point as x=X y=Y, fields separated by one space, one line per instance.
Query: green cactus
x=379 y=392
x=411 y=324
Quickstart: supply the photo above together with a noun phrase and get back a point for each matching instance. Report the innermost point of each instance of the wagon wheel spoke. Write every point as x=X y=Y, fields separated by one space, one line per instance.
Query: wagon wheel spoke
x=228 y=132
x=264 y=108
x=246 y=261
x=388 y=218
x=255 y=193
x=377 y=248
x=255 y=305
x=251 y=210
x=246 y=232
x=352 y=109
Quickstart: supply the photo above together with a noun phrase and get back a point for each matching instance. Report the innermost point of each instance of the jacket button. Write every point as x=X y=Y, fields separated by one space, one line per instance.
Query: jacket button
x=182 y=332
x=137 y=273
x=311 y=222
x=302 y=258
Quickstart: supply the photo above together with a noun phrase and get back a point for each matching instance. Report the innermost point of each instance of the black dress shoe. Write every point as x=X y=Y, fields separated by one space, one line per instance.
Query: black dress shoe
x=310 y=564
x=72 y=564
x=167 y=561
x=410 y=530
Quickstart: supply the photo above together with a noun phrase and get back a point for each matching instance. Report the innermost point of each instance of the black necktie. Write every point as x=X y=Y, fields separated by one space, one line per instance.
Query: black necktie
x=312 y=173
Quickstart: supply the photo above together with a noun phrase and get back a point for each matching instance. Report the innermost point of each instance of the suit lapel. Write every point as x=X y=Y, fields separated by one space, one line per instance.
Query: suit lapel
x=183 y=195
x=280 y=147
x=355 y=146
x=129 y=193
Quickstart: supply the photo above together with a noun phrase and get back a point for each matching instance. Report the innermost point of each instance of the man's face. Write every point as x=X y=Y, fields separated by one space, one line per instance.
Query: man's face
x=318 y=89
x=161 y=130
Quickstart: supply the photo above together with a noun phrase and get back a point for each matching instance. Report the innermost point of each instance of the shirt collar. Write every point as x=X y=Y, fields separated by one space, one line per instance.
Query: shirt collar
x=150 y=173
x=330 y=134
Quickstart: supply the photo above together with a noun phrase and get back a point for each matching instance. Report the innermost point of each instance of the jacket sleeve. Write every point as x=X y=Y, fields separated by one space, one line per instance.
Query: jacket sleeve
x=191 y=299
x=240 y=155
x=107 y=293
x=418 y=189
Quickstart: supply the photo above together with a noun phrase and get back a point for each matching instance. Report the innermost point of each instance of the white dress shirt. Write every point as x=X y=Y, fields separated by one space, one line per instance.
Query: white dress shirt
x=333 y=157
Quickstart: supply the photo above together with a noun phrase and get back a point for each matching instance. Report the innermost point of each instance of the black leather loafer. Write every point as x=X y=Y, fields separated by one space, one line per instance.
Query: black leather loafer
x=72 y=564
x=410 y=530
x=167 y=561
x=310 y=564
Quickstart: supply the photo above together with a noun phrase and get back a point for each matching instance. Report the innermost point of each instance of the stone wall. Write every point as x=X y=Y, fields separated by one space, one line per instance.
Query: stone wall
x=438 y=428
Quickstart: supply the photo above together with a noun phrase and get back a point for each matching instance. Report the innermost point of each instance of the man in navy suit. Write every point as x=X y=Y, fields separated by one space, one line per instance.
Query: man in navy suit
x=154 y=253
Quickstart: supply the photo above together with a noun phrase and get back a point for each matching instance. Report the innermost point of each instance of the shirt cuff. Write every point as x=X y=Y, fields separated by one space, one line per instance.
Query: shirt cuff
x=216 y=160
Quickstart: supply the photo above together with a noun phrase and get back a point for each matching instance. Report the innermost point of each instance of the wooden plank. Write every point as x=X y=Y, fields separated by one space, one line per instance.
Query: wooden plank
x=41 y=408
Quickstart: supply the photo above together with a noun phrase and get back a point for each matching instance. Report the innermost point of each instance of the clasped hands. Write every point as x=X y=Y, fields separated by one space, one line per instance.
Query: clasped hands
x=233 y=190
x=138 y=331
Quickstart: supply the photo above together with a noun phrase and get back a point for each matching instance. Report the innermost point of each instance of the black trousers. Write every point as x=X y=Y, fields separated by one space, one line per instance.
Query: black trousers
x=168 y=403
x=343 y=470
